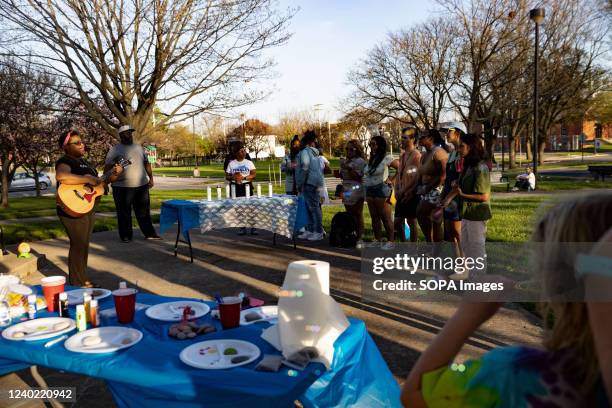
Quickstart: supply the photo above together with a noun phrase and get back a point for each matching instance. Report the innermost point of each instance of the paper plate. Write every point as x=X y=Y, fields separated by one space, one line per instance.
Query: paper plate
x=266 y=314
x=39 y=329
x=105 y=340
x=173 y=311
x=6 y=280
x=75 y=297
x=210 y=355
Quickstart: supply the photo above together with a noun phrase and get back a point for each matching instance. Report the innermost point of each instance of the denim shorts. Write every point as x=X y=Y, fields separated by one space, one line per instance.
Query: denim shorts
x=381 y=190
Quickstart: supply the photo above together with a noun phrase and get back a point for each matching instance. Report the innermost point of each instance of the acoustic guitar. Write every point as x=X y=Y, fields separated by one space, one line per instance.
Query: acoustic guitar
x=78 y=199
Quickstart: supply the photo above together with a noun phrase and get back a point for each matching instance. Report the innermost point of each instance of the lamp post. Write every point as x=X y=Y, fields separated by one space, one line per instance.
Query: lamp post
x=537 y=16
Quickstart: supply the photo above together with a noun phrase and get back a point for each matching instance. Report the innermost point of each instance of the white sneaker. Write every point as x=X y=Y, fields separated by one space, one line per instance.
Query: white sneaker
x=315 y=236
x=359 y=244
x=304 y=235
x=387 y=246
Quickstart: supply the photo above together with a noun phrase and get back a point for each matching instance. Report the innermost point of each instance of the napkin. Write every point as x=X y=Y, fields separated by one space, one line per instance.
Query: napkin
x=307 y=315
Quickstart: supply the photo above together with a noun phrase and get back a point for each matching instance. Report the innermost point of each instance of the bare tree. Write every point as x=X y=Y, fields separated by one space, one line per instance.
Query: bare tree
x=409 y=76
x=187 y=56
x=254 y=133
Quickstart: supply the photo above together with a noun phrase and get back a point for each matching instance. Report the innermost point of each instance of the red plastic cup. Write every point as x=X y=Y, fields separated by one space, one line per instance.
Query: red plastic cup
x=229 y=312
x=52 y=287
x=125 y=304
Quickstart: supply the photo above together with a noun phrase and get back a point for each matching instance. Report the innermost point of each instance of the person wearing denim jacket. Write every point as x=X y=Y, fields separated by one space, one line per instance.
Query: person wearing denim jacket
x=308 y=179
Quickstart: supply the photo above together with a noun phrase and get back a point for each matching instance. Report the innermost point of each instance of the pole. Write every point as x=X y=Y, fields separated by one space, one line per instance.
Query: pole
x=329 y=136
x=502 y=143
x=535 y=101
x=195 y=142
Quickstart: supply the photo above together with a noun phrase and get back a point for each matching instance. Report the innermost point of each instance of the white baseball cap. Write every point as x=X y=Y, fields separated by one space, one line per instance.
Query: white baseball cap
x=125 y=128
x=453 y=125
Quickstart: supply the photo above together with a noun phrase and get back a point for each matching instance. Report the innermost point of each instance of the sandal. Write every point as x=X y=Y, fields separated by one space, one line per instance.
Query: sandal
x=89 y=285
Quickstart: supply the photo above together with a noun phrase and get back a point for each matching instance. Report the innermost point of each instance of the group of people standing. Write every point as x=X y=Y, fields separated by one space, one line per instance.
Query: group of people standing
x=441 y=182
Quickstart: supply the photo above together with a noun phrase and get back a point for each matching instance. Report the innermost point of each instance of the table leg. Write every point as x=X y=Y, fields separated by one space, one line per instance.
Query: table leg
x=190 y=248
x=43 y=384
x=178 y=234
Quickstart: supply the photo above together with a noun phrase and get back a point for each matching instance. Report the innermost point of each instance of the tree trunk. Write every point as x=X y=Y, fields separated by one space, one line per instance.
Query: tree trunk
x=35 y=169
x=528 y=150
x=511 y=152
x=541 y=152
x=5 y=183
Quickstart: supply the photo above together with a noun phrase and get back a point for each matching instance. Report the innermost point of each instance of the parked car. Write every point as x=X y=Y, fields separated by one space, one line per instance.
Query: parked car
x=25 y=181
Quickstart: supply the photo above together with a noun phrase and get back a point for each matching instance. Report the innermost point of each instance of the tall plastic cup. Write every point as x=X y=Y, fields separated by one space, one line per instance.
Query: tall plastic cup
x=125 y=304
x=52 y=287
x=229 y=312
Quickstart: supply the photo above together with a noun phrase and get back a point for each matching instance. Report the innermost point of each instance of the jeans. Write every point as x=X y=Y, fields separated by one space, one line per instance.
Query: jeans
x=313 y=209
x=127 y=198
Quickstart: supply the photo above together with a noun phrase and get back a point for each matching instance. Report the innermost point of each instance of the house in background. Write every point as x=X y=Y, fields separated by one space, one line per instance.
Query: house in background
x=263 y=147
x=566 y=136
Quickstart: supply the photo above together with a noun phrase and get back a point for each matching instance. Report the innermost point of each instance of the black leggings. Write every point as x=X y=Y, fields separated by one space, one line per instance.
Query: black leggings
x=79 y=232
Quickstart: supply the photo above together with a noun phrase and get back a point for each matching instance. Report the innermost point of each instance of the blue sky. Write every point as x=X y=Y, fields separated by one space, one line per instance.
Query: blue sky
x=330 y=37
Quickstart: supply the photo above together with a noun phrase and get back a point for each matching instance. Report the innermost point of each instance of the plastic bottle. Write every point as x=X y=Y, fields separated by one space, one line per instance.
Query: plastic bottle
x=87 y=303
x=81 y=318
x=31 y=307
x=63 y=304
x=406 y=230
x=5 y=313
x=94 y=316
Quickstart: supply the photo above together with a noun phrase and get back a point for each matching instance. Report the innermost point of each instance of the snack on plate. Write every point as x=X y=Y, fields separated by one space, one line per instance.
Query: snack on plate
x=230 y=351
x=188 y=330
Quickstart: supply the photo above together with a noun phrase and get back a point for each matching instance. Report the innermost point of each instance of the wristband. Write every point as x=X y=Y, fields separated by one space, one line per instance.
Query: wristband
x=593 y=265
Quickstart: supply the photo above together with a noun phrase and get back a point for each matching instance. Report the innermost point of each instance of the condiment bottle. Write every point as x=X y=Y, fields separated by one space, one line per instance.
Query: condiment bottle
x=81 y=318
x=63 y=304
x=31 y=307
x=94 y=316
x=86 y=303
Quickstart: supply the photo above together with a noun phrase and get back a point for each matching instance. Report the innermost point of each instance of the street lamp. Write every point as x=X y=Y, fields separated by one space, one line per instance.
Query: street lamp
x=537 y=16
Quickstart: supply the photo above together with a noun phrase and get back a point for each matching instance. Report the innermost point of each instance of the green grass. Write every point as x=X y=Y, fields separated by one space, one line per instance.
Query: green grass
x=215 y=170
x=551 y=183
x=29 y=207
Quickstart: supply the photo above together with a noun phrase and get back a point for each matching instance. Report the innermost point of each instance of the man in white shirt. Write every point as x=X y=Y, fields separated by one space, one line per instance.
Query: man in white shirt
x=525 y=181
x=240 y=172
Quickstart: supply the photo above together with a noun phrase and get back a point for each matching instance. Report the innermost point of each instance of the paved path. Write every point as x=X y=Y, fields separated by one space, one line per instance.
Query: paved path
x=231 y=264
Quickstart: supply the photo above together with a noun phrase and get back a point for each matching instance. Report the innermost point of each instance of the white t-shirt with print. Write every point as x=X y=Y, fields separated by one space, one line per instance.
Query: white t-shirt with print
x=243 y=167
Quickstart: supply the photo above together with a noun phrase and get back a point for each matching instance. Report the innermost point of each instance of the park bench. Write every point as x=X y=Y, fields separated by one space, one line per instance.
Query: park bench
x=600 y=172
x=499 y=179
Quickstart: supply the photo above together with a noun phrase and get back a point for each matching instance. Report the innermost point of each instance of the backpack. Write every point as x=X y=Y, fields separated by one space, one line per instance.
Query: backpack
x=343 y=231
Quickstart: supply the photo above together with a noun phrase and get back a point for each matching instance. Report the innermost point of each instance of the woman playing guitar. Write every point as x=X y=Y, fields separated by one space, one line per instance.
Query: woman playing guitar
x=73 y=169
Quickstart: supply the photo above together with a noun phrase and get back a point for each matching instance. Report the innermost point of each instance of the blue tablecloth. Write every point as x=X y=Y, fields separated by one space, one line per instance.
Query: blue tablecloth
x=190 y=215
x=150 y=374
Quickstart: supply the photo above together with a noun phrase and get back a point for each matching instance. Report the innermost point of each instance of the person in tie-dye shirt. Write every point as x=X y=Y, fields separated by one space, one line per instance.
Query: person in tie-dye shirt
x=574 y=367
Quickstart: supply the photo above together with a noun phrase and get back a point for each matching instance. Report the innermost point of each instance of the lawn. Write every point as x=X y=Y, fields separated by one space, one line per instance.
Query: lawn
x=512 y=217
x=28 y=207
x=215 y=170
x=551 y=183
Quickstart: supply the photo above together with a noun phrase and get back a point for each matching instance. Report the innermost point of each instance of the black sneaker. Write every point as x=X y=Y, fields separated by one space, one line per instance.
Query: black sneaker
x=126 y=240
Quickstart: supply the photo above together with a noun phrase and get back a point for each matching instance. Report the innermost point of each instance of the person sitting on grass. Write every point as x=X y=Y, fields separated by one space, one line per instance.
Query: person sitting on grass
x=241 y=172
x=574 y=368
x=525 y=181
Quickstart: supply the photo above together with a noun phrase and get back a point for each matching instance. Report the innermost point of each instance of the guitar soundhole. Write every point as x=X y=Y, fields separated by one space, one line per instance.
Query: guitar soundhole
x=76 y=193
